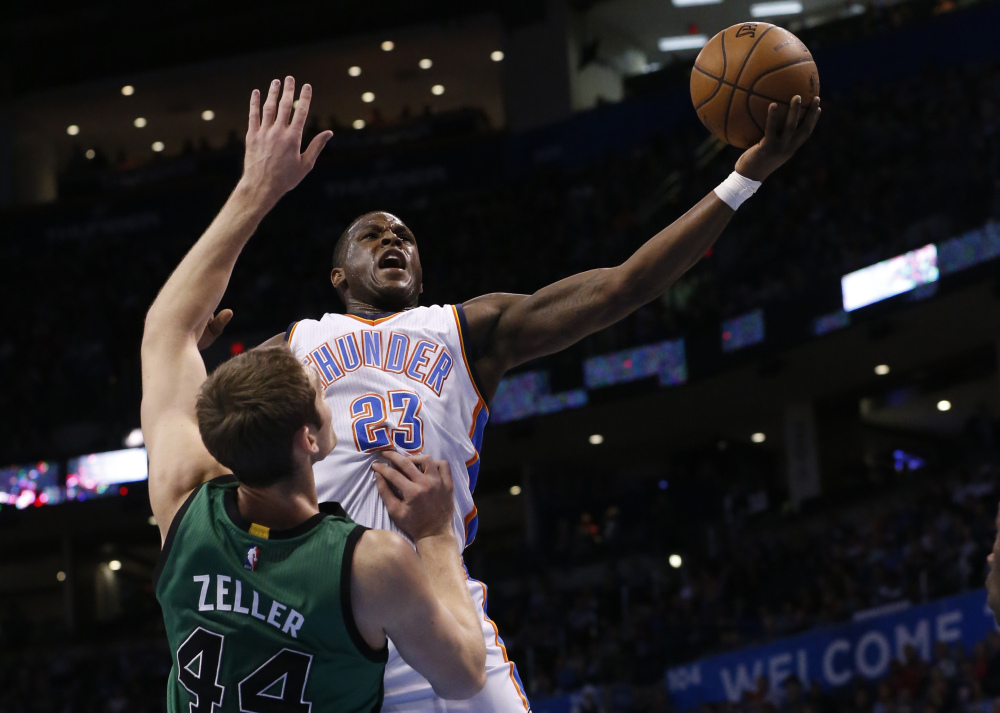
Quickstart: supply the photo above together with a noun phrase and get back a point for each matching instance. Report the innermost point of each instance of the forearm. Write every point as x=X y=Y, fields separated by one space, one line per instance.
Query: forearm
x=440 y=557
x=655 y=266
x=191 y=294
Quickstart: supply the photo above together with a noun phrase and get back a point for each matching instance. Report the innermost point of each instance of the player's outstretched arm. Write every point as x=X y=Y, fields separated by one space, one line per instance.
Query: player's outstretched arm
x=172 y=368
x=512 y=329
x=419 y=599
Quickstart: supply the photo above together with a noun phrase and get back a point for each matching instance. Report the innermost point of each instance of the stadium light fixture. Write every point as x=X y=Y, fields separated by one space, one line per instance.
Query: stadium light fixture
x=90 y=154
x=496 y=56
x=596 y=439
x=388 y=46
x=681 y=42
x=358 y=124
x=515 y=490
x=689 y=3
x=60 y=576
x=882 y=369
x=140 y=122
x=207 y=115
x=437 y=90
x=426 y=64
x=158 y=146
x=758 y=437
x=675 y=561
x=944 y=405
x=354 y=71
x=772 y=9
x=134 y=438
x=128 y=90
x=151 y=520
x=114 y=565
x=72 y=129
x=368 y=97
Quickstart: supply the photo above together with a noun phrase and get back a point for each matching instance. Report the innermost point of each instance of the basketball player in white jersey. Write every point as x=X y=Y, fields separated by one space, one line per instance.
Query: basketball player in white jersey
x=418 y=379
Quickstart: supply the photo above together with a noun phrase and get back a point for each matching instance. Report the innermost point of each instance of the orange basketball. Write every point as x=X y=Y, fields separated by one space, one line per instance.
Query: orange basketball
x=744 y=69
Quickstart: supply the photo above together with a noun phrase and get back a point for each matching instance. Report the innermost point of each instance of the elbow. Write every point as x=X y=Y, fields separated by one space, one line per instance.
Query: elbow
x=468 y=679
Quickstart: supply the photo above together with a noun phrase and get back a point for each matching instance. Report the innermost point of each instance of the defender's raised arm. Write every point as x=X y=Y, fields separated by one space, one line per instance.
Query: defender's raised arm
x=172 y=369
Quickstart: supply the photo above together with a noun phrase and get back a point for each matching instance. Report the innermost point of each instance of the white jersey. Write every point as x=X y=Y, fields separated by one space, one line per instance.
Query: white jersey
x=401 y=381
x=405 y=381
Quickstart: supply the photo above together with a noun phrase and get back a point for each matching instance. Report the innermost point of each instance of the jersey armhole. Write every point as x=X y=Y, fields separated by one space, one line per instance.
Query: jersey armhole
x=289 y=332
x=345 y=601
x=168 y=543
x=469 y=352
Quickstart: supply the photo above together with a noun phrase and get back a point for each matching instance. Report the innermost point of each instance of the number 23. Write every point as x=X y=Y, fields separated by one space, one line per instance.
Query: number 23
x=373 y=433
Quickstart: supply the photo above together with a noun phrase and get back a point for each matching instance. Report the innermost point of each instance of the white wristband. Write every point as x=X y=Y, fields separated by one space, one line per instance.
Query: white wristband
x=736 y=189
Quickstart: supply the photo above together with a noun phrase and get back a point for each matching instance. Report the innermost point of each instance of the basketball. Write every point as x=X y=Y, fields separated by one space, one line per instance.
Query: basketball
x=744 y=69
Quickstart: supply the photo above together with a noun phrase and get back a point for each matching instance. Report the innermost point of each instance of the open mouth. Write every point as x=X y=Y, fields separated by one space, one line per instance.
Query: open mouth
x=392 y=259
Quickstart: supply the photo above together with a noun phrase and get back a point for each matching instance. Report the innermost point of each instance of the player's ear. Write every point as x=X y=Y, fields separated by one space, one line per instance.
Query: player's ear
x=337 y=277
x=307 y=438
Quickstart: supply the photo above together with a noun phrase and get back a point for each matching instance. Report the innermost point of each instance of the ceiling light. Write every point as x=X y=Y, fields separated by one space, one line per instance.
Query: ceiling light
x=596 y=439
x=675 y=561
x=426 y=64
x=151 y=520
x=944 y=405
x=758 y=437
x=139 y=122
x=682 y=42
x=208 y=115
x=158 y=146
x=128 y=90
x=689 y=3
x=368 y=97
x=90 y=153
x=437 y=90
x=882 y=369
x=358 y=124
x=388 y=46
x=72 y=129
x=770 y=9
x=114 y=565
x=515 y=490
x=61 y=576
x=134 y=438
x=354 y=71
x=496 y=56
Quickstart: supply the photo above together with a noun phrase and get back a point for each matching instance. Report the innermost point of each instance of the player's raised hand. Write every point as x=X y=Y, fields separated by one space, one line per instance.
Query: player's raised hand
x=783 y=135
x=273 y=163
x=417 y=491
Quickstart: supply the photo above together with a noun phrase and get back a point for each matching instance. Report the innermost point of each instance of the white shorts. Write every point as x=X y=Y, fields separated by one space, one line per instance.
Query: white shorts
x=406 y=691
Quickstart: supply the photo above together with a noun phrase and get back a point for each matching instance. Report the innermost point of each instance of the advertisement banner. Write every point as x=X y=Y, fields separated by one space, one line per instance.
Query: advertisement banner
x=834 y=655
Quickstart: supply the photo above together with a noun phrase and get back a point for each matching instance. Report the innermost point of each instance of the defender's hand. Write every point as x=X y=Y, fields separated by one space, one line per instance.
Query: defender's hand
x=417 y=492
x=273 y=165
x=214 y=328
x=781 y=139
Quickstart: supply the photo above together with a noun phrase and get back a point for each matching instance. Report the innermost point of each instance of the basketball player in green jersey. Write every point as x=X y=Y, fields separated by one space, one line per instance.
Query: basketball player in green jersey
x=274 y=603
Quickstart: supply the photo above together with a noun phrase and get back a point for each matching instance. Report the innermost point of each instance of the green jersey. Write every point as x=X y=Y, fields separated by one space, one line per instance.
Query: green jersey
x=260 y=621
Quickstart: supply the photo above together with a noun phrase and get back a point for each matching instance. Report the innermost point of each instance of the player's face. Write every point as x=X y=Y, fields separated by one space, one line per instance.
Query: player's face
x=993 y=578
x=381 y=264
x=327 y=438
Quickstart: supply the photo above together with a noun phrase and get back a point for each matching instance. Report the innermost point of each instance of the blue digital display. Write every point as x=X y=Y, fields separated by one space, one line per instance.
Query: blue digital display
x=970 y=249
x=528 y=394
x=665 y=360
x=743 y=331
x=23 y=486
x=830 y=322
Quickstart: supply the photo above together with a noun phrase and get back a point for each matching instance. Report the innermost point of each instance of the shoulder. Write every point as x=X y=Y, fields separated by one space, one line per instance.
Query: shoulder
x=483 y=313
x=383 y=559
